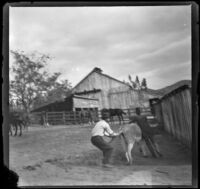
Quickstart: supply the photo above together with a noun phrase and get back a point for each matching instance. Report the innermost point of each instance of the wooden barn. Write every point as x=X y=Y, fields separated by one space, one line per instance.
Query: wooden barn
x=98 y=90
x=95 y=92
x=174 y=110
x=111 y=92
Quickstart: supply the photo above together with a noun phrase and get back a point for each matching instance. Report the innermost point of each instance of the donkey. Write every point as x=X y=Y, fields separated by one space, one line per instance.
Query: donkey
x=129 y=135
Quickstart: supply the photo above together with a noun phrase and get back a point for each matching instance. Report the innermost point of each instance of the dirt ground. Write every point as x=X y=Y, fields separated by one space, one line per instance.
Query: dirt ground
x=64 y=155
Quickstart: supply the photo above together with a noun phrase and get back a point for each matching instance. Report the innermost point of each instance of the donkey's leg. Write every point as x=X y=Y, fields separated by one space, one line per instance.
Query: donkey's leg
x=125 y=147
x=155 y=147
x=20 y=127
x=127 y=157
x=151 y=147
x=15 y=125
x=158 y=149
x=130 y=147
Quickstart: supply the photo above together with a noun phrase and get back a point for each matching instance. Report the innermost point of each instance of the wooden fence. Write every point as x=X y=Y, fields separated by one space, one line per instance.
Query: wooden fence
x=73 y=117
x=174 y=110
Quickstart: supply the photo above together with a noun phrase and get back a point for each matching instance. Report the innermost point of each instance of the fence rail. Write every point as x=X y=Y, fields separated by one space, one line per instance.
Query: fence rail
x=73 y=117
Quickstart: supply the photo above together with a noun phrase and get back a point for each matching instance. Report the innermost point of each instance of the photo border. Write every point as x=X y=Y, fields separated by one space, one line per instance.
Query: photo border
x=195 y=78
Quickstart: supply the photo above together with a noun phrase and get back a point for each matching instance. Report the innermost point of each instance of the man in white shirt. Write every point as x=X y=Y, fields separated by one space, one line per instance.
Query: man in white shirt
x=101 y=129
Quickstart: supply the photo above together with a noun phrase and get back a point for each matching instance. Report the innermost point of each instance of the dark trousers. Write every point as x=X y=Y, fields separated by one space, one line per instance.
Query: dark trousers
x=105 y=147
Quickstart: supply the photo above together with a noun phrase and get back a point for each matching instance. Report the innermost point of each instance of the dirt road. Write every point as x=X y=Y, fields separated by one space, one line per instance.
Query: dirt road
x=63 y=155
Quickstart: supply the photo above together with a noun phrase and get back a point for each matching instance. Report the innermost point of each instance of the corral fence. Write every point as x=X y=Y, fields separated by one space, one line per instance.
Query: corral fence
x=174 y=110
x=73 y=117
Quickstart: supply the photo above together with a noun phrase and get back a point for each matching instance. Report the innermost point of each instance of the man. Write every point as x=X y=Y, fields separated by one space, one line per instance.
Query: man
x=101 y=129
x=147 y=132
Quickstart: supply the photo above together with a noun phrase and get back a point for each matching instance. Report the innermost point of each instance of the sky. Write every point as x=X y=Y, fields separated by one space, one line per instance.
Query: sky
x=153 y=42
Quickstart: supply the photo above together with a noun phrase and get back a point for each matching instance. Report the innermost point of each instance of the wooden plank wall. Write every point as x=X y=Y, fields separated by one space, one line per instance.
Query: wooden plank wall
x=98 y=81
x=129 y=99
x=177 y=115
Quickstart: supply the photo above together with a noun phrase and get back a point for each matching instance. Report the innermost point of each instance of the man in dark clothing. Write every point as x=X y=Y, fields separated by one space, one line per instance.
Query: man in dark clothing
x=147 y=132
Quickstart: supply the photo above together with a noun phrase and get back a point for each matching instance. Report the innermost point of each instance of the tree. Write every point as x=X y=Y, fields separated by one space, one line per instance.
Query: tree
x=31 y=84
x=144 y=84
x=59 y=92
x=137 y=82
x=132 y=83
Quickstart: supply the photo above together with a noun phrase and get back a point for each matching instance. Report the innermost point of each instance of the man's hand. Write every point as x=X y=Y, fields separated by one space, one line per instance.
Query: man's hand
x=117 y=134
x=113 y=135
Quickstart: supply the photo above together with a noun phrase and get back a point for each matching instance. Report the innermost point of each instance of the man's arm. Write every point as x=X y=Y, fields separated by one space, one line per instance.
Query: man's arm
x=109 y=132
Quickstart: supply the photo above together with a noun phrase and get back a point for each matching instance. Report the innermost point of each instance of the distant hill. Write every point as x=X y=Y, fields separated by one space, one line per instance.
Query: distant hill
x=174 y=86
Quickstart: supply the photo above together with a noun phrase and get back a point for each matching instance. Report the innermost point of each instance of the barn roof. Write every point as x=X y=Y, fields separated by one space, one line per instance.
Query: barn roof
x=52 y=105
x=62 y=104
x=99 y=71
x=175 y=91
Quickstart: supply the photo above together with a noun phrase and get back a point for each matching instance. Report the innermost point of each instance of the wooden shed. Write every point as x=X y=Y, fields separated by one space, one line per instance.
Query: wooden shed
x=71 y=103
x=175 y=111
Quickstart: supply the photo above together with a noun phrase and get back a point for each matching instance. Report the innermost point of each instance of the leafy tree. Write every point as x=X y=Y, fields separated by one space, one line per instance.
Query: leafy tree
x=132 y=83
x=137 y=81
x=31 y=84
x=144 y=84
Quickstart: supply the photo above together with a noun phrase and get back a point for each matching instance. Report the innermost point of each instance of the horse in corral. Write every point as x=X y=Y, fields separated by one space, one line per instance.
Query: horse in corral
x=15 y=121
x=113 y=112
x=26 y=120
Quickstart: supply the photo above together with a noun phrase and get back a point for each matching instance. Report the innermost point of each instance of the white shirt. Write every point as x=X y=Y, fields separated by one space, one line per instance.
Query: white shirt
x=102 y=128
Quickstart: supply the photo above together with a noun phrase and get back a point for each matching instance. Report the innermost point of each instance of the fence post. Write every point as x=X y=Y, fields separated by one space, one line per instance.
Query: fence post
x=47 y=117
x=129 y=114
x=74 y=117
x=63 y=116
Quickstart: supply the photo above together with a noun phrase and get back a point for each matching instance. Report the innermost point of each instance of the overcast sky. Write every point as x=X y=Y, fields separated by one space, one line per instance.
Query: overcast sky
x=151 y=42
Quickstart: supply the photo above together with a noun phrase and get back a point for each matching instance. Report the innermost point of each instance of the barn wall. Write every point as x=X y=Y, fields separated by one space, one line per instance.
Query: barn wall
x=177 y=115
x=98 y=81
x=85 y=103
x=158 y=112
x=128 y=99
x=102 y=96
